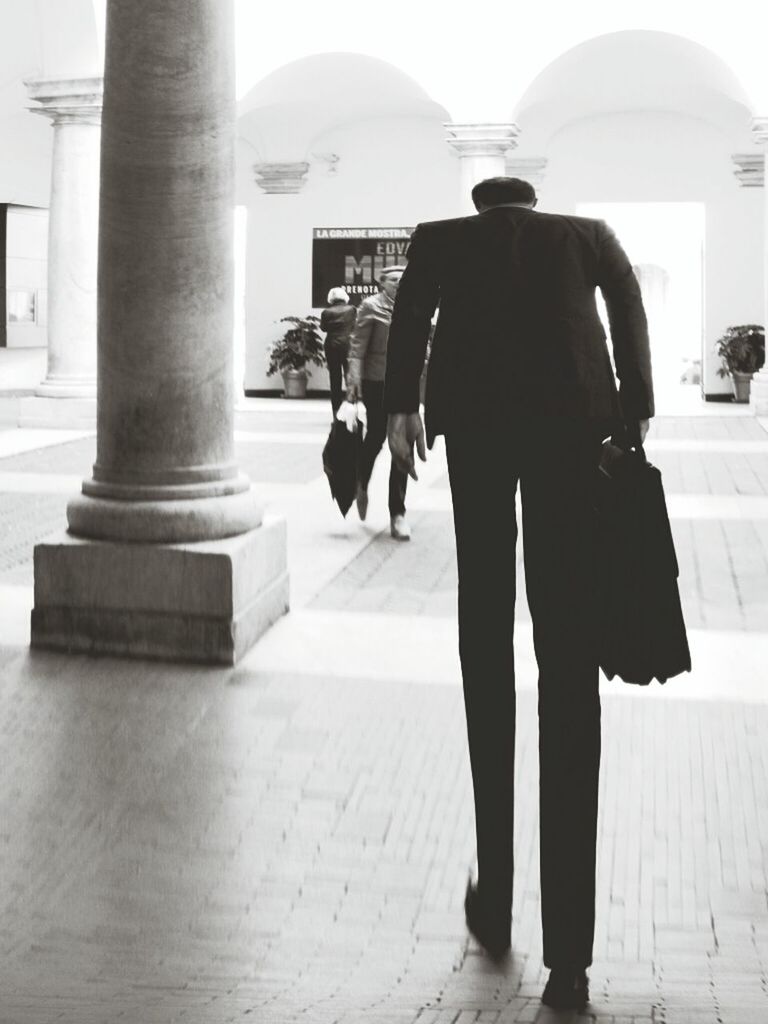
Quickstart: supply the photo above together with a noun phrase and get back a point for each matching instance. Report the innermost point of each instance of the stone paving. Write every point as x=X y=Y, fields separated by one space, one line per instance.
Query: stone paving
x=263 y=461
x=289 y=840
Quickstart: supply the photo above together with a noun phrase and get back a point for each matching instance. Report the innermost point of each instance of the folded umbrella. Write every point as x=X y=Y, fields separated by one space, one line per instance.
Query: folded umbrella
x=340 y=456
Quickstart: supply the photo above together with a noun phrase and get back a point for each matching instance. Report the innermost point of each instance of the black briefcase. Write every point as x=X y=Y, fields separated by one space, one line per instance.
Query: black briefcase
x=641 y=627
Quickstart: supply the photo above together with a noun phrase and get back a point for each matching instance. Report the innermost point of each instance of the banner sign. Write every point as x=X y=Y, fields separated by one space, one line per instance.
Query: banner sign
x=352 y=258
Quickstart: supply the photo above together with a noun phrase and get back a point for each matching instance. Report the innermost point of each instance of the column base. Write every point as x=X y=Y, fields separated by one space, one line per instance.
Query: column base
x=180 y=521
x=67 y=387
x=205 y=603
x=58 y=413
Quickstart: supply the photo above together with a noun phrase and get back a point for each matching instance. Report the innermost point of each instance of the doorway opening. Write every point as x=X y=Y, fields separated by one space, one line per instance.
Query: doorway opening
x=665 y=242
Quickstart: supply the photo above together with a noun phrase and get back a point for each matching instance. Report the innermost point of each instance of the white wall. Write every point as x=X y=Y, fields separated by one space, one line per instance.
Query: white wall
x=399 y=172
x=27 y=270
x=45 y=39
x=656 y=157
x=391 y=173
x=26 y=147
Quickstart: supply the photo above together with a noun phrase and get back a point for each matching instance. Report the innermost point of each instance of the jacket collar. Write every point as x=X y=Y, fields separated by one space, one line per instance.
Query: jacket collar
x=507 y=206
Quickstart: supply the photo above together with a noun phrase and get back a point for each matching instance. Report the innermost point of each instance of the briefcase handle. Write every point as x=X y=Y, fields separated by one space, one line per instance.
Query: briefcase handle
x=620 y=439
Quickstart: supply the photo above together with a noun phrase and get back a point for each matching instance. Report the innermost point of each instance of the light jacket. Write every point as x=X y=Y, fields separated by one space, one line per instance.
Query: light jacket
x=368 y=346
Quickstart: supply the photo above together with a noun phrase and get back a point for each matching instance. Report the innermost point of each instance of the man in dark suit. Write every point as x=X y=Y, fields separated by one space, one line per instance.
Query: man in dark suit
x=521 y=384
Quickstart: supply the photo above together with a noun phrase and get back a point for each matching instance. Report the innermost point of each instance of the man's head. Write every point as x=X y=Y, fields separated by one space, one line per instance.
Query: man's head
x=389 y=280
x=503 y=191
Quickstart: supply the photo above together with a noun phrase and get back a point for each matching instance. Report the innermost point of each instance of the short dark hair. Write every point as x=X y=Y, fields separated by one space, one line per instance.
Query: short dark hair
x=493 y=191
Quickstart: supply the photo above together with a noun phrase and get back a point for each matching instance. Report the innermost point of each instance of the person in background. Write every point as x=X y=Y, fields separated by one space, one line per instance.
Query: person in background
x=365 y=380
x=338 y=322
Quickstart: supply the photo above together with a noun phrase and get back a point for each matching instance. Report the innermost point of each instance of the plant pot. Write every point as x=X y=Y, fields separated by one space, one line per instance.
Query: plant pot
x=741 y=385
x=294 y=383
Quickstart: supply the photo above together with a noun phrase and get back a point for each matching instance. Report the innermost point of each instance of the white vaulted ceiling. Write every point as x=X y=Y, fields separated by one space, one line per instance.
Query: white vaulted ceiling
x=281 y=115
x=633 y=71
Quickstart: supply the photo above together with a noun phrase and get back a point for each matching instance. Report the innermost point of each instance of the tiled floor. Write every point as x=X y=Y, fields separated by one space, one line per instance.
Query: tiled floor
x=289 y=840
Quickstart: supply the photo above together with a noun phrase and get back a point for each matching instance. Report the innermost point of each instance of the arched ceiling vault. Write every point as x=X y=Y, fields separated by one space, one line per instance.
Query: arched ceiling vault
x=289 y=108
x=633 y=71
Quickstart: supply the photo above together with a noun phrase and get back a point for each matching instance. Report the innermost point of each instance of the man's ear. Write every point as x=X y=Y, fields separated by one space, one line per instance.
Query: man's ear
x=535 y=202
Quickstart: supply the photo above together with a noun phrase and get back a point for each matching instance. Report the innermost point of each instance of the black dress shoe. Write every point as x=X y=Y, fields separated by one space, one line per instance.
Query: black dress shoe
x=492 y=934
x=566 y=989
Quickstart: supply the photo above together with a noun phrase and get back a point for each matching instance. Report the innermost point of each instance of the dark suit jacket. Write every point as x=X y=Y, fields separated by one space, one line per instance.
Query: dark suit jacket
x=518 y=329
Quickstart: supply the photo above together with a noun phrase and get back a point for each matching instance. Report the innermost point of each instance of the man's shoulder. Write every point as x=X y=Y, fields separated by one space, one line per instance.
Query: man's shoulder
x=591 y=224
x=538 y=218
x=433 y=227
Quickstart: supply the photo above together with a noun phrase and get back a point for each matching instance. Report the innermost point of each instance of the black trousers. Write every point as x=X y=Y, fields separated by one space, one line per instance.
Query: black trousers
x=555 y=463
x=336 y=360
x=373 y=395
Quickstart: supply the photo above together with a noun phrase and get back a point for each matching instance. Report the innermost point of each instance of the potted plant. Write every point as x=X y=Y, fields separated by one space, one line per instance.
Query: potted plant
x=300 y=344
x=742 y=350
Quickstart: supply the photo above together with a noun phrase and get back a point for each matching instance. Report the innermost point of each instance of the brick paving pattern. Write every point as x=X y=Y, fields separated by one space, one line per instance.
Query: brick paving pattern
x=202 y=847
x=695 y=472
x=268 y=462
x=24 y=520
x=723 y=573
x=224 y=847
x=70 y=457
x=417 y=578
x=707 y=428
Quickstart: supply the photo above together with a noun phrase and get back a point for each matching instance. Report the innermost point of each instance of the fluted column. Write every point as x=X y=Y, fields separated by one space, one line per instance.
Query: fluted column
x=74 y=107
x=483 y=150
x=181 y=567
x=759 y=389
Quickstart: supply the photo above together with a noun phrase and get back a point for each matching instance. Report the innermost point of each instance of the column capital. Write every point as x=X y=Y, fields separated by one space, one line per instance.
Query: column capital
x=529 y=168
x=281 y=178
x=749 y=169
x=482 y=139
x=760 y=131
x=68 y=100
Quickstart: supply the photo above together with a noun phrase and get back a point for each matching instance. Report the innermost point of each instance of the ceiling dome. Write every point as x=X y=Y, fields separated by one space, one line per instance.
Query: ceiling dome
x=633 y=71
x=299 y=101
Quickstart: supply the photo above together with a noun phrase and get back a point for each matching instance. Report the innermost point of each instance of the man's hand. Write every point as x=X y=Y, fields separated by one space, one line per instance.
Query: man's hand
x=353 y=393
x=403 y=429
x=635 y=432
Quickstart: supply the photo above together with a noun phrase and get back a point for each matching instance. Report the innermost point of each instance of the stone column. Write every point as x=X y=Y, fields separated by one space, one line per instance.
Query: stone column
x=74 y=107
x=278 y=284
x=483 y=150
x=169 y=557
x=759 y=391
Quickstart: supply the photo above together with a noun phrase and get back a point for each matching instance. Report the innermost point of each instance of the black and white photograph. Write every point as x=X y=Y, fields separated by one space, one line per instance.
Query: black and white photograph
x=383 y=512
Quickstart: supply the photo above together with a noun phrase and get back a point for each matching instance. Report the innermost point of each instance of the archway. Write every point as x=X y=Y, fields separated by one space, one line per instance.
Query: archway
x=302 y=101
x=641 y=117
x=334 y=140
